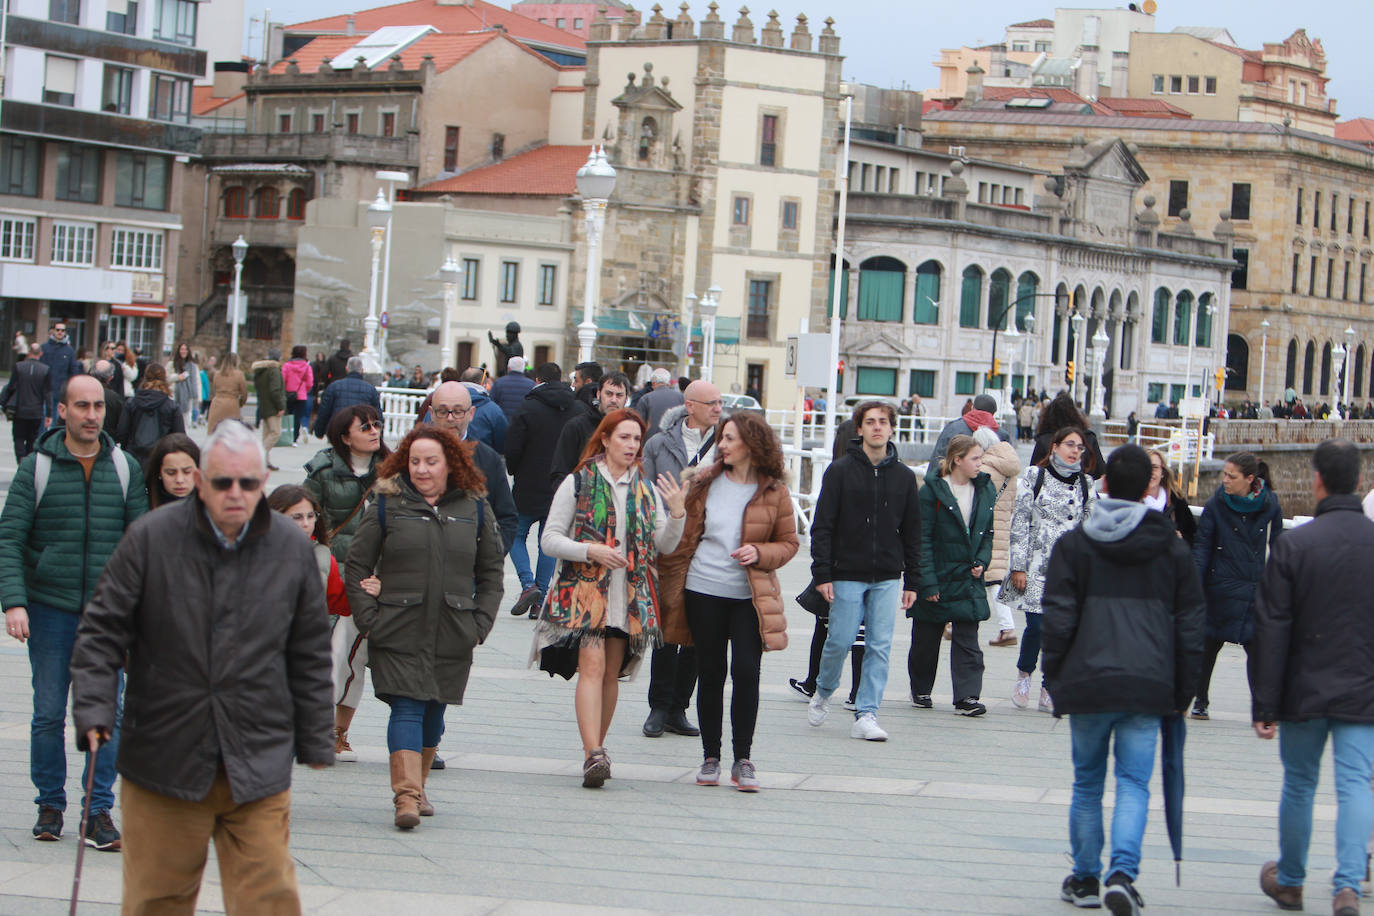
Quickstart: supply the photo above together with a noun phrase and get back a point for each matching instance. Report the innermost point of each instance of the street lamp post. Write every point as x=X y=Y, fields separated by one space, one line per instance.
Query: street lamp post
x=692 y=300
x=448 y=274
x=1029 y=322
x=1349 y=357
x=1012 y=336
x=1077 y=321
x=392 y=178
x=595 y=181
x=1338 y=357
x=1101 y=344
x=1264 y=353
x=236 y=316
x=710 y=304
x=378 y=218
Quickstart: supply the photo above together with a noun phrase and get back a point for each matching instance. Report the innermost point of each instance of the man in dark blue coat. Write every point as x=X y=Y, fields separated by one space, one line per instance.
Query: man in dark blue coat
x=347 y=391
x=508 y=391
x=451 y=408
x=60 y=359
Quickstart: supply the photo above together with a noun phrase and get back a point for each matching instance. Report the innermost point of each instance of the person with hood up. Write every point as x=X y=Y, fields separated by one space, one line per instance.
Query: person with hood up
x=1123 y=648
x=1003 y=466
x=337 y=365
x=267 y=381
x=982 y=412
x=956 y=548
x=149 y=415
x=1239 y=526
x=489 y=423
x=530 y=442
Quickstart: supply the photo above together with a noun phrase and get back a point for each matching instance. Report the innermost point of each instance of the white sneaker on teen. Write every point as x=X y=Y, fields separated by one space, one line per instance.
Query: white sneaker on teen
x=1020 y=694
x=866 y=727
x=818 y=709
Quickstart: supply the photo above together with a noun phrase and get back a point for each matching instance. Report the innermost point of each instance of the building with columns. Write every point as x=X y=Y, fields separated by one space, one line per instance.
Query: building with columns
x=934 y=285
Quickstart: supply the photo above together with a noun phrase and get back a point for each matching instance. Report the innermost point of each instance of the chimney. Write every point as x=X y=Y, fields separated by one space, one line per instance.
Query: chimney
x=997 y=64
x=974 y=93
x=1086 y=83
x=350 y=26
x=230 y=77
x=1121 y=62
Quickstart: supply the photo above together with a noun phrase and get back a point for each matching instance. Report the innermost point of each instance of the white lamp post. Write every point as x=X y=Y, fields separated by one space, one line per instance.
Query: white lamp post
x=1264 y=353
x=1029 y=322
x=448 y=275
x=1012 y=336
x=391 y=178
x=1349 y=356
x=710 y=304
x=691 y=299
x=236 y=309
x=1338 y=356
x=1077 y=321
x=378 y=218
x=1101 y=344
x=595 y=181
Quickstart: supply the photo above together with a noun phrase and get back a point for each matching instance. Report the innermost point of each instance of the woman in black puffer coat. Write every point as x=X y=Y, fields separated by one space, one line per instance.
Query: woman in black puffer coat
x=1239 y=524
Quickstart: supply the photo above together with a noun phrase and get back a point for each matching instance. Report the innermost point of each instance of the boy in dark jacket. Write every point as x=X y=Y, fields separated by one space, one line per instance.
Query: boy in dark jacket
x=1122 y=640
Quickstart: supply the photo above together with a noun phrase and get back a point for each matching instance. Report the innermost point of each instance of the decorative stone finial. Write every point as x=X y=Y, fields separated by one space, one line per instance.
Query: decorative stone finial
x=829 y=42
x=744 y=28
x=801 y=36
x=713 y=26
x=770 y=36
x=682 y=25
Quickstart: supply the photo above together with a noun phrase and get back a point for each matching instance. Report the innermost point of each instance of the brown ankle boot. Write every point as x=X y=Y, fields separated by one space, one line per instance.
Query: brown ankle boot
x=405 y=788
x=1288 y=898
x=1347 y=903
x=426 y=759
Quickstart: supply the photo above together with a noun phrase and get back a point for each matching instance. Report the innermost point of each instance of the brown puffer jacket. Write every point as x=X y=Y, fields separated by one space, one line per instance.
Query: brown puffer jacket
x=1003 y=465
x=769 y=524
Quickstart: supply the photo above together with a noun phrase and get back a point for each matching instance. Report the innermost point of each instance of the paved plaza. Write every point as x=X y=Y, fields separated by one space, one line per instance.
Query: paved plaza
x=951 y=815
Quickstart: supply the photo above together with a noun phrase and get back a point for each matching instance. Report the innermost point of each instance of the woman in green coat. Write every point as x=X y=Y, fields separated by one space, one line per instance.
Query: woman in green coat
x=432 y=540
x=956 y=547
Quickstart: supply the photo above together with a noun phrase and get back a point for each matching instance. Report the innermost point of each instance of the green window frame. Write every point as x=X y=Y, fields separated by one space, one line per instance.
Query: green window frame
x=970 y=296
x=844 y=294
x=1204 y=321
x=1183 y=317
x=922 y=382
x=926 y=308
x=875 y=380
x=882 y=292
x=1159 y=326
x=966 y=383
x=999 y=299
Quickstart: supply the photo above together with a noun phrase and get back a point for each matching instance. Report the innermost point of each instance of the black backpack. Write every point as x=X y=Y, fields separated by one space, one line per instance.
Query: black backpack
x=147 y=430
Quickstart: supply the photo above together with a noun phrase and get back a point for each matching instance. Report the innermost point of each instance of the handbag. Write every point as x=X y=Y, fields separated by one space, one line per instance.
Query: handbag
x=813 y=602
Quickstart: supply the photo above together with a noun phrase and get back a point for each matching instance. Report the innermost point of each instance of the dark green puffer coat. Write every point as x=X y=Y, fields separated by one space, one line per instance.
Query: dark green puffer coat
x=42 y=548
x=338 y=490
x=949 y=550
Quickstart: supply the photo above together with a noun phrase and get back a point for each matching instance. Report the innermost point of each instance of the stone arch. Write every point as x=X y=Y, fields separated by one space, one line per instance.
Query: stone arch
x=1308 y=366
x=1205 y=315
x=1290 y=371
x=1357 y=386
x=1027 y=290
x=1159 y=321
x=882 y=289
x=925 y=308
x=999 y=298
x=1325 y=388
x=1183 y=317
x=1237 y=362
x=970 y=296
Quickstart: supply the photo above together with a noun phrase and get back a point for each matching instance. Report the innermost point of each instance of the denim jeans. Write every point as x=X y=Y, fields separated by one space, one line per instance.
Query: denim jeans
x=873 y=604
x=1136 y=736
x=414 y=724
x=1030 y=645
x=52 y=633
x=300 y=409
x=1300 y=748
x=520 y=554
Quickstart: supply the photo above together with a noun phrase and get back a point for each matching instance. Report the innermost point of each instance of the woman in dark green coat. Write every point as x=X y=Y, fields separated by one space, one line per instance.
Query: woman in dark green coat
x=956 y=547
x=432 y=540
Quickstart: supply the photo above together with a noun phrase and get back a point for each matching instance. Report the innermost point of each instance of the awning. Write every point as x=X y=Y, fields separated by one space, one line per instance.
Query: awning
x=138 y=311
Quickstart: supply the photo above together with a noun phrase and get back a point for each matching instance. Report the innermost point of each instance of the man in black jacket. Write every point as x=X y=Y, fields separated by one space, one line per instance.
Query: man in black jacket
x=1122 y=640
x=530 y=440
x=337 y=366
x=451 y=409
x=865 y=560
x=1311 y=669
x=24 y=398
x=218 y=608
x=611 y=393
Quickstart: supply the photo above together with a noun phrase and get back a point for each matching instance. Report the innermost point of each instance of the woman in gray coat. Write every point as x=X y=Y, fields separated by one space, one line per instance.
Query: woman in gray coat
x=432 y=540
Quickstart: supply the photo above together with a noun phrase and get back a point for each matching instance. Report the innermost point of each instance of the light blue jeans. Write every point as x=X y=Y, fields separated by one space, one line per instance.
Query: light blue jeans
x=873 y=604
x=1300 y=748
x=1136 y=736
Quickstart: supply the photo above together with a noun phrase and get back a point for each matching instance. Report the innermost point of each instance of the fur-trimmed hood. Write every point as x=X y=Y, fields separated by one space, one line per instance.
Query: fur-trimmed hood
x=671 y=416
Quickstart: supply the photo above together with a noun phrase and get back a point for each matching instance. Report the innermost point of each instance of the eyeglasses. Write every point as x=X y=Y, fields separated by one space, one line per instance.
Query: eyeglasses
x=1076 y=446
x=716 y=403
x=59 y=330
x=246 y=484
x=450 y=413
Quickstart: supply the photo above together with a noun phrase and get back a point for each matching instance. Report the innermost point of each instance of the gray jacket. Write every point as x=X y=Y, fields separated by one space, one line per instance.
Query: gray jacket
x=666 y=453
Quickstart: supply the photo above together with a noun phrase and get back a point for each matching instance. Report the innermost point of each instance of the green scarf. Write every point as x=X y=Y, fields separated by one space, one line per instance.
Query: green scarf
x=1246 y=504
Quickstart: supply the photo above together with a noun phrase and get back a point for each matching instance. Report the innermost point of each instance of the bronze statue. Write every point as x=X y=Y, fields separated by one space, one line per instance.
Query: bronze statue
x=512 y=346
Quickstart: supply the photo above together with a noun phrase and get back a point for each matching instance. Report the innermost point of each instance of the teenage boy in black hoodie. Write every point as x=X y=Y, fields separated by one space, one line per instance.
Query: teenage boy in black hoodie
x=1122 y=637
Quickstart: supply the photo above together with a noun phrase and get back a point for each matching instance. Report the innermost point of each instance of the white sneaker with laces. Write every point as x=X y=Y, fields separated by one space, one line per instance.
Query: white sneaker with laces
x=818 y=709
x=1046 y=702
x=1020 y=694
x=866 y=727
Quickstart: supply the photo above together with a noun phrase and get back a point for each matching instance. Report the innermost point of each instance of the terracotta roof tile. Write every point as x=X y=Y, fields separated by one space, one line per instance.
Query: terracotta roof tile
x=1034 y=24
x=545 y=171
x=1356 y=130
x=446 y=50
x=1142 y=108
x=473 y=16
x=1252 y=56
x=203 y=101
x=1056 y=93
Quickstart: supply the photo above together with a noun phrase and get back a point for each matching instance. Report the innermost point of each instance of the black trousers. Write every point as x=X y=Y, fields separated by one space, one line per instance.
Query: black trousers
x=718 y=623
x=672 y=677
x=25 y=435
x=965 y=658
x=1211 y=648
x=813 y=669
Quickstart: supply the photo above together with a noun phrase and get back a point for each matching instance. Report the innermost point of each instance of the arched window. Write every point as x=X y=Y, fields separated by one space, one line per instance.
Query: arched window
x=1159 y=326
x=295 y=204
x=1358 y=390
x=1290 y=372
x=971 y=296
x=236 y=202
x=1026 y=286
x=266 y=203
x=1308 y=365
x=1183 y=318
x=1204 y=324
x=844 y=291
x=882 y=289
x=1326 y=369
x=999 y=298
x=1237 y=363
x=926 y=308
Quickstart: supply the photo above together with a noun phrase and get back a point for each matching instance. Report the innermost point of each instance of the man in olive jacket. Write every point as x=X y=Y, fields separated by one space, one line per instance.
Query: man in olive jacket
x=217 y=603
x=53 y=546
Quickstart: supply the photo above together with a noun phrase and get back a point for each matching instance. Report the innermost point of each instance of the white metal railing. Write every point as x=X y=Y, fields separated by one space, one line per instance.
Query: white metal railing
x=398 y=410
x=921 y=430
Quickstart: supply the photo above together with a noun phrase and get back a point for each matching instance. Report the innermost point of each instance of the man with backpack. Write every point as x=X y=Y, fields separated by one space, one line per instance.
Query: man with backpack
x=68 y=505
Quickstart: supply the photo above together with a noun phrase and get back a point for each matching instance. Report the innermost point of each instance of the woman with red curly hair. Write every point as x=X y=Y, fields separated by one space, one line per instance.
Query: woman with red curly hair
x=432 y=540
x=607 y=526
x=720 y=586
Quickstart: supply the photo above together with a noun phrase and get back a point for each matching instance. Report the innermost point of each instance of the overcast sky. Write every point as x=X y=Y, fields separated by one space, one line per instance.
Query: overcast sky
x=895 y=42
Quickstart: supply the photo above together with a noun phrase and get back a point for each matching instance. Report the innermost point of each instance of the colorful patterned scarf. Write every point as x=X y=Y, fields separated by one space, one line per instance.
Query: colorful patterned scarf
x=578 y=599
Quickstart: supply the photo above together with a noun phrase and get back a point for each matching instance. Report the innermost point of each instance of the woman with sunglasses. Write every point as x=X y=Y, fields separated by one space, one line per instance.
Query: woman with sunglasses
x=170 y=472
x=432 y=539
x=1052 y=497
x=340 y=478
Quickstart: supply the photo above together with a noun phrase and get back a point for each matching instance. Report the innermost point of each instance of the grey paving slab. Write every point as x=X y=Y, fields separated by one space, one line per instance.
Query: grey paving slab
x=950 y=816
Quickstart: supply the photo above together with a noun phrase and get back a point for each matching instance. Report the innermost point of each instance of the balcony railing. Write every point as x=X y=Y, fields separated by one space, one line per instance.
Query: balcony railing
x=393 y=151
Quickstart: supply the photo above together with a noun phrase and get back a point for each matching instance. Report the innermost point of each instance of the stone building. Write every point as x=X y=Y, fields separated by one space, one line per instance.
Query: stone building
x=933 y=286
x=1299 y=207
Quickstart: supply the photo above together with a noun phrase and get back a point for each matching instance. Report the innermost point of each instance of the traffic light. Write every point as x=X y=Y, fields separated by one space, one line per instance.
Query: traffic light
x=1221 y=378
x=996 y=367
x=1068 y=373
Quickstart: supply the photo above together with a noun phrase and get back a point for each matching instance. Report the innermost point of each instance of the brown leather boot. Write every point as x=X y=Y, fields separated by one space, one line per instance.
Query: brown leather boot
x=1288 y=898
x=405 y=788
x=1347 y=903
x=426 y=759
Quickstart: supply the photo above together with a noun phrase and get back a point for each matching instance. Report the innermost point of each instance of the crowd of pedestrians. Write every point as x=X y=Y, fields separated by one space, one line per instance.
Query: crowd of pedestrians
x=661 y=529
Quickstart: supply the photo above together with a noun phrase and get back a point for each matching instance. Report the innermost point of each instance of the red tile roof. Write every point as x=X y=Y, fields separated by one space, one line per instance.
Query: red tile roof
x=1142 y=108
x=545 y=171
x=1056 y=93
x=1034 y=24
x=1252 y=56
x=446 y=50
x=1356 y=130
x=203 y=101
x=472 y=16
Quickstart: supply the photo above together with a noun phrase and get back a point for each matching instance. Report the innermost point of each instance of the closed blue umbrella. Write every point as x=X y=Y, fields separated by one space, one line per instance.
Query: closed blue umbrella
x=1173 y=732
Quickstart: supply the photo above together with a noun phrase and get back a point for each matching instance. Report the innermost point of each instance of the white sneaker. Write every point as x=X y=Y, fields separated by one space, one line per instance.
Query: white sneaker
x=866 y=727
x=1020 y=694
x=1046 y=703
x=818 y=709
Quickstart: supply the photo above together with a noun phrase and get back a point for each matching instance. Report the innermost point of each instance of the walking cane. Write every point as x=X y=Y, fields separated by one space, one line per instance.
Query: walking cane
x=81 y=837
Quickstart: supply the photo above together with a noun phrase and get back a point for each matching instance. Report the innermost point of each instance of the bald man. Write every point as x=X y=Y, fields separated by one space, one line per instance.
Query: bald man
x=451 y=409
x=686 y=439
